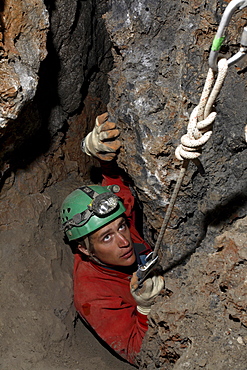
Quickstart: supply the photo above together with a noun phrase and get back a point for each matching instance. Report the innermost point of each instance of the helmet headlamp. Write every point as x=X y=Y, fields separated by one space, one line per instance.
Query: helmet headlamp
x=101 y=205
x=104 y=204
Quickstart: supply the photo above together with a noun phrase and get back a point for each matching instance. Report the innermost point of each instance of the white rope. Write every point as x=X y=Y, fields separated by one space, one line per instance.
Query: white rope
x=199 y=131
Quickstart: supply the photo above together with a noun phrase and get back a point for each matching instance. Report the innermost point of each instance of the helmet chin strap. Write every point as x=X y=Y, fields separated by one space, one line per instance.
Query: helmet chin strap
x=86 y=241
x=91 y=256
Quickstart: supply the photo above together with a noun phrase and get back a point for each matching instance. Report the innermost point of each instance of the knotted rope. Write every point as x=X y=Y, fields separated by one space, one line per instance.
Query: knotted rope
x=199 y=131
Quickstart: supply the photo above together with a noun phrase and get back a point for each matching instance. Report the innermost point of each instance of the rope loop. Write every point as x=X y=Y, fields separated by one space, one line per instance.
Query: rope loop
x=199 y=131
x=201 y=120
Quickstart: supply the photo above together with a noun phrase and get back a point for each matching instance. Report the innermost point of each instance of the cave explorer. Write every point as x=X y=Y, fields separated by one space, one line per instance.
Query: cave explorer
x=108 y=251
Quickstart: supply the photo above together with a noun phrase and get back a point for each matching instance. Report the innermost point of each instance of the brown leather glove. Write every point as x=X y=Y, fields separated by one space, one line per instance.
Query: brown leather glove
x=102 y=142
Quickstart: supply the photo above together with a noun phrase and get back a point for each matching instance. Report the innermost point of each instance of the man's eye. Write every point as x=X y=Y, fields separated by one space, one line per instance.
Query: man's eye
x=122 y=226
x=106 y=238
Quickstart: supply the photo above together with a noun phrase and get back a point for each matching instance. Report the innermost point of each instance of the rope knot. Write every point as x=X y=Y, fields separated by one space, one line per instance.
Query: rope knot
x=198 y=133
x=201 y=119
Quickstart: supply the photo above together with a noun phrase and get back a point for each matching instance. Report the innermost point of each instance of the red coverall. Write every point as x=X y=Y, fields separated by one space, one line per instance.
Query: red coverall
x=102 y=295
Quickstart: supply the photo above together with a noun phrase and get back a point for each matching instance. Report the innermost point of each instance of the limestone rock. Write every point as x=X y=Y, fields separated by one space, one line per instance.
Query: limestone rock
x=24 y=26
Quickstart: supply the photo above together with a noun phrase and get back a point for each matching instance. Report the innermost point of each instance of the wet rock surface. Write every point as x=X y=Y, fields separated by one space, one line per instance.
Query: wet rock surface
x=157 y=59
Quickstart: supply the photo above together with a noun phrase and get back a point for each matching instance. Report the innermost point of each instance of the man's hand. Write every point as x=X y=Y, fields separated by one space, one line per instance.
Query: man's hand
x=145 y=295
x=102 y=142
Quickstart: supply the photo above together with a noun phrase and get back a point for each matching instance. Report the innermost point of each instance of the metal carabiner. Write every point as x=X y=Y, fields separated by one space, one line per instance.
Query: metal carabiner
x=143 y=271
x=219 y=37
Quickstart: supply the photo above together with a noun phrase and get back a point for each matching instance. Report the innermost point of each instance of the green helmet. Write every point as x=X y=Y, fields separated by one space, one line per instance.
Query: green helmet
x=89 y=208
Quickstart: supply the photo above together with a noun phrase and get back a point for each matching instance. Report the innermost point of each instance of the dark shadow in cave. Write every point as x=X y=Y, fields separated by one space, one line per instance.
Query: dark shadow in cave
x=222 y=214
x=104 y=344
x=2 y=4
x=34 y=139
x=30 y=129
x=227 y=212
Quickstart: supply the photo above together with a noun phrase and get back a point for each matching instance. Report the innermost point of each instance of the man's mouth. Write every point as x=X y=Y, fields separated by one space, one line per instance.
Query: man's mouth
x=128 y=254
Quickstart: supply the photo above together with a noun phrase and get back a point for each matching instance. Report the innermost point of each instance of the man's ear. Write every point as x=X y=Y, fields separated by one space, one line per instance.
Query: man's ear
x=82 y=248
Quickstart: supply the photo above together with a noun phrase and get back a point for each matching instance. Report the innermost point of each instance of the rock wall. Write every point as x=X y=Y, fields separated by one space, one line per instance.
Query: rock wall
x=54 y=85
x=200 y=321
x=23 y=31
x=24 y=26
x=41 y=163
x=161 y=51
x=161 y=62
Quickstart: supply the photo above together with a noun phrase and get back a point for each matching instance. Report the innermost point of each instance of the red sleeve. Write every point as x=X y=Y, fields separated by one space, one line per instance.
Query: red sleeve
x=119 y=324
x=108 y=307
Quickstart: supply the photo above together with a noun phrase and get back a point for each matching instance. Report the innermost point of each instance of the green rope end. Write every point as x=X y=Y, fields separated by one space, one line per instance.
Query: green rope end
x=217 y=43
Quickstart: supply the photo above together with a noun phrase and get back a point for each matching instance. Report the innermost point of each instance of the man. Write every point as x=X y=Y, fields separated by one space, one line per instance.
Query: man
x=101 y=221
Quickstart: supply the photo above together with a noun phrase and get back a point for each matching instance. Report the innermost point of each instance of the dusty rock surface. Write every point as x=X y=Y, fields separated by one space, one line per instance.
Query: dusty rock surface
x=200 y=322
x=37 y=316
x=157 y=62
x=38 y=323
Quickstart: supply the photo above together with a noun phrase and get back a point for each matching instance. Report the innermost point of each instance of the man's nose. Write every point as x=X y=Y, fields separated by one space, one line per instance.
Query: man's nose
x=122 y=240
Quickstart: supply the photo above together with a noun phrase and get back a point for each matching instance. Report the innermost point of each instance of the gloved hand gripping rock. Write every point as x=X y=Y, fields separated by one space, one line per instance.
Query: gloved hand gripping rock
x=102 y=141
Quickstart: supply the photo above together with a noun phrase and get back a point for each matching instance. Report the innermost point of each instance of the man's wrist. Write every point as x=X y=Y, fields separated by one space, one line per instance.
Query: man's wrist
x=84 y=145
x=143 y=310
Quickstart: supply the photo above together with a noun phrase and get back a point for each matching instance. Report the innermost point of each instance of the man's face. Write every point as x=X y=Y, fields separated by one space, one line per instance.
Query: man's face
x=113 y=244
